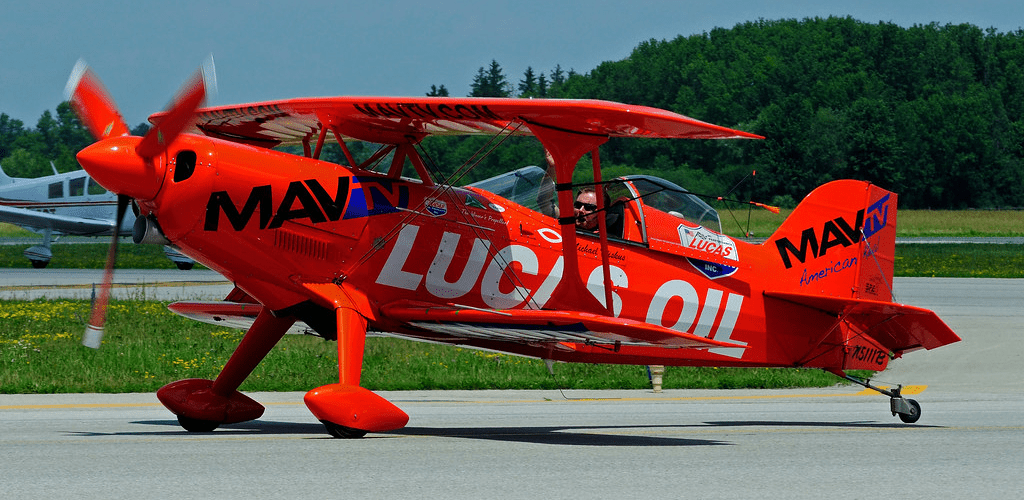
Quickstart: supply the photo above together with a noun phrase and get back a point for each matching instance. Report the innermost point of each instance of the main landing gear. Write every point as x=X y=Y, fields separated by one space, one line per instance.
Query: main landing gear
x=907 y=410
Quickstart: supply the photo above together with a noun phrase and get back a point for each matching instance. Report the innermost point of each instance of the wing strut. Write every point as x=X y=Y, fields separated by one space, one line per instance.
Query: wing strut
x=320 y=142
x=600 y=200
x=345 y=149
x=346 y=409
x=564 y=148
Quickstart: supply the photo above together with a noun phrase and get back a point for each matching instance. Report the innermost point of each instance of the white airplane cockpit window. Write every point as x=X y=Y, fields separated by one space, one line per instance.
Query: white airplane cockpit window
x=56 y=190
x=76 y=186
x=94 y=188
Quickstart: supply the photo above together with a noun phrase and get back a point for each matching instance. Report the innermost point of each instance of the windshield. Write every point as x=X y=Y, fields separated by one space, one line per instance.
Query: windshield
x=664 y=195
x=530 y=187
x=520 y=186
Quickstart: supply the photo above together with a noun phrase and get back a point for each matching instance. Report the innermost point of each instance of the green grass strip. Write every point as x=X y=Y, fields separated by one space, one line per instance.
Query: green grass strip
x=958 y=260
x=147 y=346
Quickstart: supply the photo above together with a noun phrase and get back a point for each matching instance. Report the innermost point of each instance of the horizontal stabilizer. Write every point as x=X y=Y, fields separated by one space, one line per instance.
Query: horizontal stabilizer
x=529 y=325
x=897 y=327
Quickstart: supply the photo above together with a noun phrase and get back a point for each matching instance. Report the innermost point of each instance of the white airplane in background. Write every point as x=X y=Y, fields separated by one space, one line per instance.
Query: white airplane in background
x=70 y=203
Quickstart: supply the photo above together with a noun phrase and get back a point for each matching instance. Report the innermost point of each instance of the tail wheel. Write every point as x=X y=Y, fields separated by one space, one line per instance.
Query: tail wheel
x=914 y=412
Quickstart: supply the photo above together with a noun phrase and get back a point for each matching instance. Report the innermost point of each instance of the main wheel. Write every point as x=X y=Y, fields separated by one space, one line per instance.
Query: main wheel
x=914 y=412
x=197 y=425
x=342 y=432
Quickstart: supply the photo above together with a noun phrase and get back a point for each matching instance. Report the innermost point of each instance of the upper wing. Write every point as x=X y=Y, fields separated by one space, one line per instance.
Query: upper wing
x=395 y=120
x=62 y=223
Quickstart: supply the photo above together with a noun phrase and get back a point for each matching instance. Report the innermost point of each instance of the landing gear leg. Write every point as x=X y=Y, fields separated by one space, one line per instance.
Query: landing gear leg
x=907 y=410
x=202 y=405
x=347 y=410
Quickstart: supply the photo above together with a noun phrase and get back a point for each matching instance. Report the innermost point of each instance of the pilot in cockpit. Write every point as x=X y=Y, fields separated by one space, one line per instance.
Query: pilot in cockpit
x=585 y=207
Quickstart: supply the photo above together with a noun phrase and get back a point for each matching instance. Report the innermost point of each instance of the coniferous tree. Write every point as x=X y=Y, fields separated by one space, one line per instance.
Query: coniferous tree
x=438 y=91
x=490 y=83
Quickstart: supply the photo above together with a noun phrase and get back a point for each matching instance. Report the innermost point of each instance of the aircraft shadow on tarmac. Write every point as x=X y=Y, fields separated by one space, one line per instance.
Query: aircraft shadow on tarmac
x=839 y=425
x=561 y=435
x=554 y=435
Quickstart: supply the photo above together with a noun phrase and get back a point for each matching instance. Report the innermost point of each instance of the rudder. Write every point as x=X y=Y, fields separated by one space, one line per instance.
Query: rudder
x=839 y=242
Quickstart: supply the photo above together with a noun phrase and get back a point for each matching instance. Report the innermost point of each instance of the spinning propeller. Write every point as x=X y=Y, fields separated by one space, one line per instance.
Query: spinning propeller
x=122 y=163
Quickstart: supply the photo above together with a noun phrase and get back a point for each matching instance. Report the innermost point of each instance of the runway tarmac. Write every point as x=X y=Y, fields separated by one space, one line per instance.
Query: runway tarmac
x=149 y=284
x=807 y=443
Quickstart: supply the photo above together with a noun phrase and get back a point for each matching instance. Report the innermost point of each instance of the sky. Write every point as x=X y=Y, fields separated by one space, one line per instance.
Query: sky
x=268 y=50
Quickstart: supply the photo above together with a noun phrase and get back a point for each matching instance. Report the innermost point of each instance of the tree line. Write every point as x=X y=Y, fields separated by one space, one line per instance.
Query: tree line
x=932 y=112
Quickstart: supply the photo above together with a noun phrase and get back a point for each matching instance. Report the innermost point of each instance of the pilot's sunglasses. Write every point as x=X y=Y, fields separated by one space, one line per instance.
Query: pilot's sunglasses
x=591 y=207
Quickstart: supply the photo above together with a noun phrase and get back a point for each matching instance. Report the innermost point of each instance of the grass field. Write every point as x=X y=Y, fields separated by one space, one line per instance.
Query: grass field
x=147 y=346
x=911 y=223
x=964 y=260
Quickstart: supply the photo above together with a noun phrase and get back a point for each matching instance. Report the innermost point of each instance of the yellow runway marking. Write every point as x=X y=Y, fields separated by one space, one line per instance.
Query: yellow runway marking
x=76 y=405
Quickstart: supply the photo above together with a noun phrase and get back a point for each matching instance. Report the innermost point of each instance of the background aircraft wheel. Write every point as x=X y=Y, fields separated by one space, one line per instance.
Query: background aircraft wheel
x=914 y=412
x=342 y=432
x=184 y=266
x=197 y=425
x=39 y=264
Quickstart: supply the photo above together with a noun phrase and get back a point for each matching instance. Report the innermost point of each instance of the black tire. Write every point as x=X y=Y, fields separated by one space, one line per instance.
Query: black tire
x=39 y=264
x=196 y=425
x=914 y=412
x=184 y=266
x=342 y=432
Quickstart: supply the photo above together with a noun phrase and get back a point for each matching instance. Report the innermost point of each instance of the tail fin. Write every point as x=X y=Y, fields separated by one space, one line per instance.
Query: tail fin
x=839 y=242
x=836 y=258
x=4 y=178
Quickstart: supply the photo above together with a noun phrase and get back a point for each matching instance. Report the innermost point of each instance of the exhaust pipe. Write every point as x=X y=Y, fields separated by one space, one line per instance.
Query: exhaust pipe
x=147 y=231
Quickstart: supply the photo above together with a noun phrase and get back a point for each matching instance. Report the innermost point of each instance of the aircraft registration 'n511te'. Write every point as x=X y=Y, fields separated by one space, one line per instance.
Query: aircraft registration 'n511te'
x=632 y=270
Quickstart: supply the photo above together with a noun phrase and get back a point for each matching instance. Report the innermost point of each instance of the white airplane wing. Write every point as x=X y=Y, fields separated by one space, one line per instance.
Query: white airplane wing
x=65 y=224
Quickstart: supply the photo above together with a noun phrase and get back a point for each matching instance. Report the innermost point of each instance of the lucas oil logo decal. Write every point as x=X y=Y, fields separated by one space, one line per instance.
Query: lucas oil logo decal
x=703 y=240
x=435 y=207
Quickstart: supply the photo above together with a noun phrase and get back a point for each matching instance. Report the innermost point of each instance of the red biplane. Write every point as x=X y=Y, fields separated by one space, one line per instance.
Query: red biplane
x=502 y=265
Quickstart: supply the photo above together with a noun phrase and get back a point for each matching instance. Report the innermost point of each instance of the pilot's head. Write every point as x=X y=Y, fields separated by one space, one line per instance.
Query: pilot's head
x=584 y=210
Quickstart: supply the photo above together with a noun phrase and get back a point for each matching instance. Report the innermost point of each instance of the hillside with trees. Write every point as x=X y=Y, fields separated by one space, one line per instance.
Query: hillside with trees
x=932 y=112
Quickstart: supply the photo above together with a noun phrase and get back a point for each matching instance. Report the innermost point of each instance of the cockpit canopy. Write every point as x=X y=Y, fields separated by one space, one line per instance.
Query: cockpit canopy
x=530 y=187
x=673 y=199
x=523 y=186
